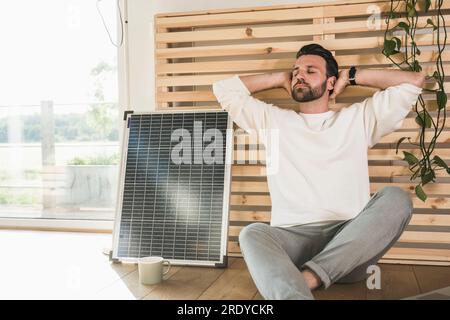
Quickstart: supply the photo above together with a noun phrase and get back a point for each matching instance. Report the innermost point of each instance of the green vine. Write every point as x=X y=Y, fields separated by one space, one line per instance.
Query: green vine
x=409 y=12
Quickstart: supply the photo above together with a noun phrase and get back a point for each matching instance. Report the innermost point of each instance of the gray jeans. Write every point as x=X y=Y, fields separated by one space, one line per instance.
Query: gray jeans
x=337 y=251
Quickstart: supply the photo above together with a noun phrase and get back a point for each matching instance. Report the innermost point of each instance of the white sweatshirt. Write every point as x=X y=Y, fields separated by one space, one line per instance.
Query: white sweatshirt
x=323 y=169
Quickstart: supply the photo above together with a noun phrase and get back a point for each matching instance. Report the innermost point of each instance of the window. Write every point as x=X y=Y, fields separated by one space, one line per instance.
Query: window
x=59 y=141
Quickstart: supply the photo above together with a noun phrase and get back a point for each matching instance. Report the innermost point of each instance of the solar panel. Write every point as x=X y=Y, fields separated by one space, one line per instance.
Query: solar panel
x=174 y=189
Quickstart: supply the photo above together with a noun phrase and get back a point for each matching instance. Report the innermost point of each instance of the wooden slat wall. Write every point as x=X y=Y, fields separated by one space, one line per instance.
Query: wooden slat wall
x=195 y=49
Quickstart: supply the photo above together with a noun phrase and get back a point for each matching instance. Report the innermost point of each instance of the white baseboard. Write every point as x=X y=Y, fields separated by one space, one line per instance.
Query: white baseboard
x=100 y=226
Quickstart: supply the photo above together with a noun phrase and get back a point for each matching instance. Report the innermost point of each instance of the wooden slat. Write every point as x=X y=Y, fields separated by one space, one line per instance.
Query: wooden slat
x=395 y=136
x=253 y=216
x=240 y=18
x=233 y=247
x=196 y=80
x=430 y=105
x=250 y=200
x=233 y=231
x=245 y=32
x=407 y=236
x=374 y=171
x=405 y=261
x=353 y=91
x=158 y=89
x=282 y=47
x=291 y=14
x=356 y=10
x=257 y=156
x=264 y=200
x=377 y=59
x=396 y=171
x=431 y=188
x=257 y=65
x=425 y=237
x=442 y=220
x=223 y=66
x=170 y=109
x=390 y=154
x=418 y=254
x=249 y=171
x=410 y=123
x=261 y=8
x=430 y=220
x=434 y=188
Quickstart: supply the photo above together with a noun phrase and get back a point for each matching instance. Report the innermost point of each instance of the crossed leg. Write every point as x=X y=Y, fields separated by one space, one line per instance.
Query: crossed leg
x=340 y=251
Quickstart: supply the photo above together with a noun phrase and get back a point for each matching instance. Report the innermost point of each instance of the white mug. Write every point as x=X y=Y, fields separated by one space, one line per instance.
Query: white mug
x=151 y=269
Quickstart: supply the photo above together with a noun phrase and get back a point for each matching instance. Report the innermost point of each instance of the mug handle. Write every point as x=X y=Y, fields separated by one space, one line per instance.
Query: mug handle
x=168 y=267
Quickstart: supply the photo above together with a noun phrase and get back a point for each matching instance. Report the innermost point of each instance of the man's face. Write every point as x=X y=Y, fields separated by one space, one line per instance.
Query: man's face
x=309 y=78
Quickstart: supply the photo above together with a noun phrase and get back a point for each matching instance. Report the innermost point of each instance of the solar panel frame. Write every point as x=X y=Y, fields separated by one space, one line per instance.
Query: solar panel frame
x=222 y=261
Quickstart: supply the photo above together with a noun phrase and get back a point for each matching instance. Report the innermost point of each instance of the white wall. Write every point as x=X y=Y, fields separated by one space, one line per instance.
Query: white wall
x=139 y=88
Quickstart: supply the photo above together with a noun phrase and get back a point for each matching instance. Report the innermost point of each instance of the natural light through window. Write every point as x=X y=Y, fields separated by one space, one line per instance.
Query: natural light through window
x=59 y=141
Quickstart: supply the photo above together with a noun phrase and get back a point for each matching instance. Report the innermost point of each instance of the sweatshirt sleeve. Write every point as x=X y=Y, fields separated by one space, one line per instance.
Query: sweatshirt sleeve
x=384 y=112
x=248 y=112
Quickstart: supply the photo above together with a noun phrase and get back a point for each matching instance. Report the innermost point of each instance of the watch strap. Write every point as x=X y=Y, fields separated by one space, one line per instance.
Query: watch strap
x=351 y=75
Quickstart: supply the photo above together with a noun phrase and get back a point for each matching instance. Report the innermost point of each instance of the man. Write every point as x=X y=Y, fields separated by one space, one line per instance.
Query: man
x=324 y=227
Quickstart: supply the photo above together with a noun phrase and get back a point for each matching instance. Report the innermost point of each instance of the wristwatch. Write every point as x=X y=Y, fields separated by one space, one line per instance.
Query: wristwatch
x=351 y=75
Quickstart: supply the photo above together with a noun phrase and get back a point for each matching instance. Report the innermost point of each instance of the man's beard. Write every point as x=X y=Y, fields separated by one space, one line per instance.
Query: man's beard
x=306 y=94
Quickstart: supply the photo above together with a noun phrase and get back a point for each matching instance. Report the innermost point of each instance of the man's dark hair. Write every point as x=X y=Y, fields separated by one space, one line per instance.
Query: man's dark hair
x=318 y=50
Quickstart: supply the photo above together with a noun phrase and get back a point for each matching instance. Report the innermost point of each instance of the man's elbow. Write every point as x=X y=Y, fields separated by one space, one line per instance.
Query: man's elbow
x=419 y=79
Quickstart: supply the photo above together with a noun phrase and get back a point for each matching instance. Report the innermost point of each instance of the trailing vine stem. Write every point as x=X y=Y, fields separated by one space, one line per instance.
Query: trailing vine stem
x=407 y=51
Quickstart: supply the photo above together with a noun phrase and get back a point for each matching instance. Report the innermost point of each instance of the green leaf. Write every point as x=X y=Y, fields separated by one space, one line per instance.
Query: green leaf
x=448 y=170
x=398 y=143
x=428 y=120
x=429 y=21
x=398 y=42
x=412 y=12
x=441 y=98
x=419 y=121
x=410 y=158
x=404 y=26
x=414 y=176
x=423 y=171
x=423 y=119
x=427 y=5
x=389 y=47
x=428 y=177
x=441 y=163
x=420 y=194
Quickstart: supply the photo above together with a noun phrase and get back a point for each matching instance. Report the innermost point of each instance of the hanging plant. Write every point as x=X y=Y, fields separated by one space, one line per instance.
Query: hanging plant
x=405 y=45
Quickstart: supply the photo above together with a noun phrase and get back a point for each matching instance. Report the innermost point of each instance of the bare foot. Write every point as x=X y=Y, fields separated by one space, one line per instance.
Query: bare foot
x=312 y=280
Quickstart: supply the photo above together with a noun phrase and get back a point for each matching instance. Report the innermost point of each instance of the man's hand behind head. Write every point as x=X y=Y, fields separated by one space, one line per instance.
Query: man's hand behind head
x=340 y=84
x=287 y=82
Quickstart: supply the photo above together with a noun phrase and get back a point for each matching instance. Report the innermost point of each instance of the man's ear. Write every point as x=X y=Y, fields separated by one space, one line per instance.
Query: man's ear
x=332 y=82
